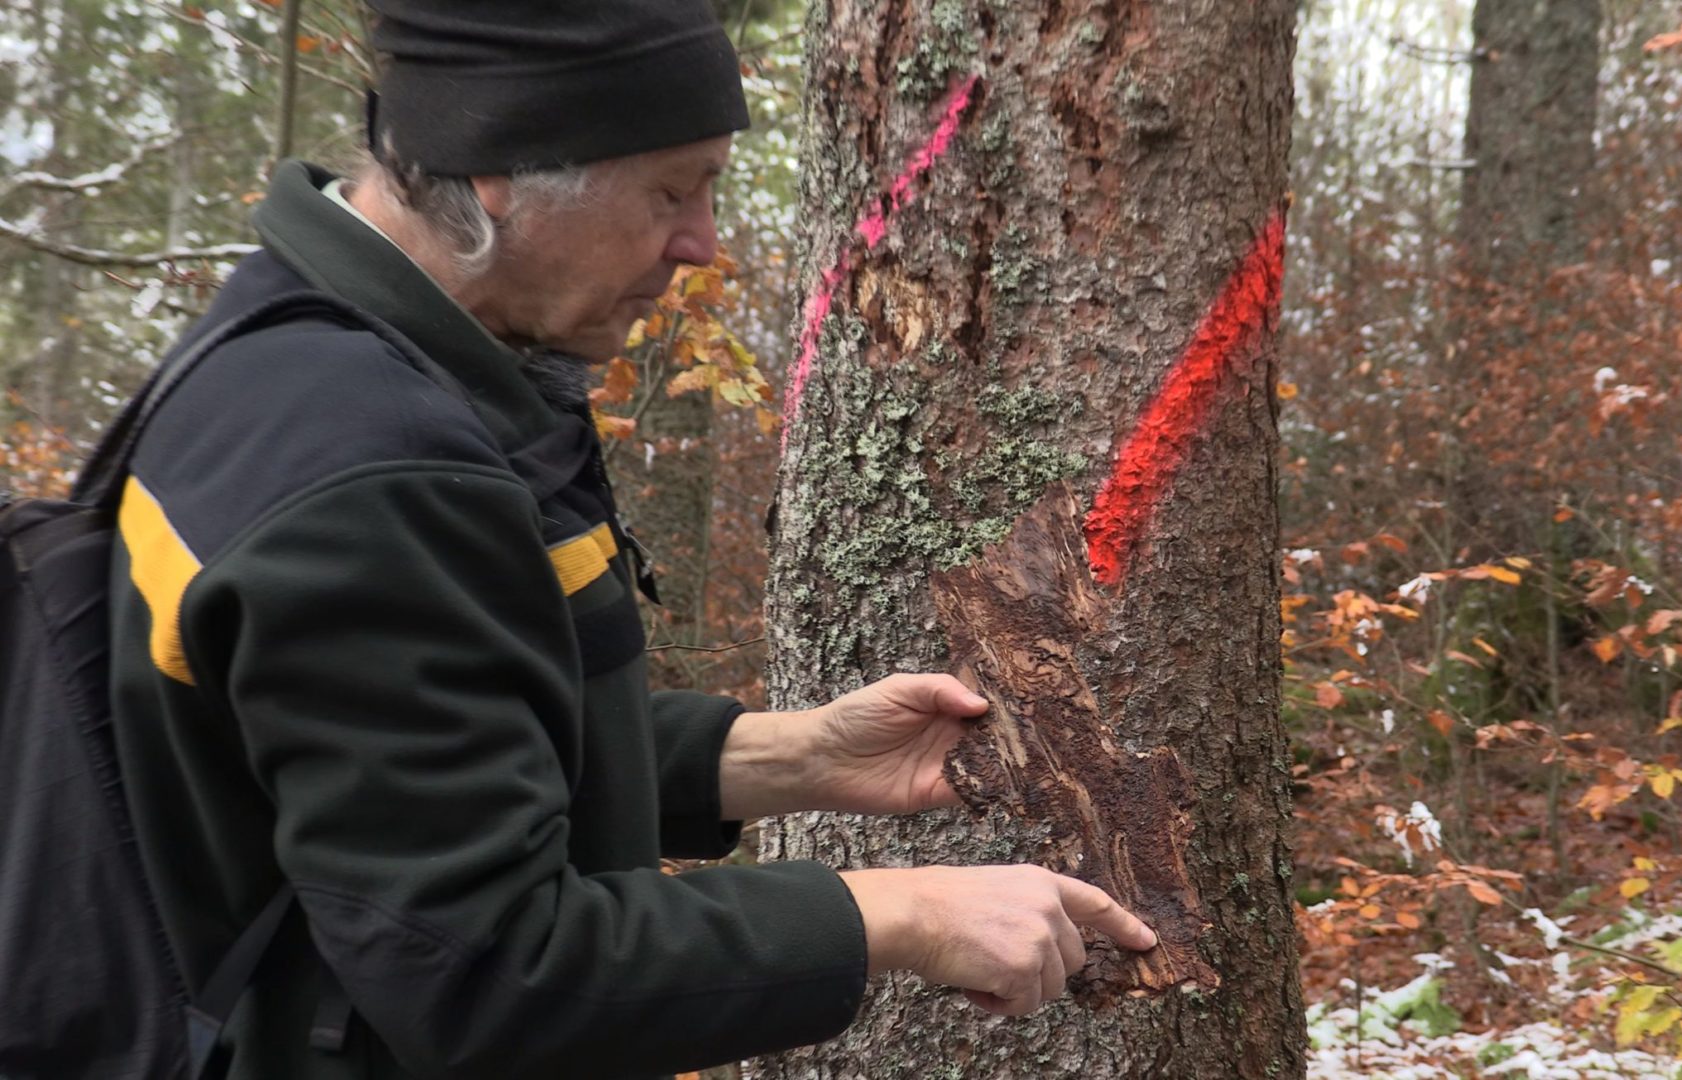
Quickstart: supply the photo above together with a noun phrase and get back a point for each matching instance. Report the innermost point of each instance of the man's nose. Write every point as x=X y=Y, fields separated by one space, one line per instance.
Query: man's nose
x=696 y=240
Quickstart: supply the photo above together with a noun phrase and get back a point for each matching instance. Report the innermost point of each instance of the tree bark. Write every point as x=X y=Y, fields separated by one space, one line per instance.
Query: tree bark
x=1530 y=131
x=1032 y=441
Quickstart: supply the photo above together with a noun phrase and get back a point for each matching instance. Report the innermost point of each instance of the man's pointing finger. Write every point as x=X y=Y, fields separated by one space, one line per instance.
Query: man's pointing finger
x=1088 y=905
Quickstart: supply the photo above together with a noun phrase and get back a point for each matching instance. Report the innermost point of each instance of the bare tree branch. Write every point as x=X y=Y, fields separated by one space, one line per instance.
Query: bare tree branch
x=246 y=43
x=97 y=257
x=110 y=174
x=706 y=648
x=1457 y=164
x=1434 y=54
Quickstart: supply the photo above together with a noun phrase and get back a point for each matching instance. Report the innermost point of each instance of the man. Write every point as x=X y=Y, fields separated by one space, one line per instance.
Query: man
x=376 y=633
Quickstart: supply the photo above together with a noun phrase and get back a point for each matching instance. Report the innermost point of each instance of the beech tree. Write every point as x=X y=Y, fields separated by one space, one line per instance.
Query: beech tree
x=1031 y=436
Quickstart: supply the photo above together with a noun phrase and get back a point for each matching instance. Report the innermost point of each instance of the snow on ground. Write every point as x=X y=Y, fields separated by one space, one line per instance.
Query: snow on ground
x=1408 y=1033
x=1541 y=1051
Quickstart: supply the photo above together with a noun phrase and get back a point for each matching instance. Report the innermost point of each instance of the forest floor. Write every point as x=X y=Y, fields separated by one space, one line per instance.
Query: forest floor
x=1538 y=986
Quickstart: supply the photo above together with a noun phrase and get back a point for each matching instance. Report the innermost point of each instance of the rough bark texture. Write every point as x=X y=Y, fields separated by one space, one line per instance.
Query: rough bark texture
x=1530 y=130
x=1028 y=302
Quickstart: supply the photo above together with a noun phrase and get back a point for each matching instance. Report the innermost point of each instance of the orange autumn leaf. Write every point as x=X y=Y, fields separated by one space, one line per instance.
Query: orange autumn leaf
x=618 y=381
x=1370 y=911
x=1408 y=919
x=1663 y=620
x=1442 y=721
x=1482 y=893
x=1327 y=696
x=1660 y=42
x=1607 y=648
x=696 y=378
x=614 y=427
x=1602 y=797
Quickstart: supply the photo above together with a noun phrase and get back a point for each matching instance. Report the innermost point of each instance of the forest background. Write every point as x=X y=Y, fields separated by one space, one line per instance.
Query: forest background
x=1481 y=473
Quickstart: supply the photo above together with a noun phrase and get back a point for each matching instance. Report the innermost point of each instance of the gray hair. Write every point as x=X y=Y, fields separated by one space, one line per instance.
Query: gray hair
x=451 y=210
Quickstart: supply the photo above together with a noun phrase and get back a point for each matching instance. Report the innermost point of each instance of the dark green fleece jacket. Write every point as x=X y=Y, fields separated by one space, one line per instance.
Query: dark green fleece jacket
x=377 y=637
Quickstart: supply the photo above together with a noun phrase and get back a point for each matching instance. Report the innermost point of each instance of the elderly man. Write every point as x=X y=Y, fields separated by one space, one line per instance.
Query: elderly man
x=376 y=632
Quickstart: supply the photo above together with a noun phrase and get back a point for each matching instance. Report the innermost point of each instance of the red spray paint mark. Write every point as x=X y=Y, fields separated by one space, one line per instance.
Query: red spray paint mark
x=1146 y=463
x=870 y=228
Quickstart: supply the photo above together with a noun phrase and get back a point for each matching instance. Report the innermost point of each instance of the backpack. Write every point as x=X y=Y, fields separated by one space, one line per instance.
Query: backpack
x=88 y=984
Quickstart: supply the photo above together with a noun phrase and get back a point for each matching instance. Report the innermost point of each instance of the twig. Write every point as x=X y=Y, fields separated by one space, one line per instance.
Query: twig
x=288 y=78
x=654 y=384
x=1578 y=943
x=1451 y=164
x=707 y=648
x=1436 y=54
x=742 y=23
x=96 y=257
x=768 y=43
x=262 y=54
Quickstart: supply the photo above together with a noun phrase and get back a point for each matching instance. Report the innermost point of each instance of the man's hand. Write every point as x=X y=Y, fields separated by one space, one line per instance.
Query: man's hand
x=883 y=748
x=1008 y=936
x=878 y=750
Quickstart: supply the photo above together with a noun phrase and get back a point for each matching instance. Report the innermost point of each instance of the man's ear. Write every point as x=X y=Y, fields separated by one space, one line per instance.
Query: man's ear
x=496 y=195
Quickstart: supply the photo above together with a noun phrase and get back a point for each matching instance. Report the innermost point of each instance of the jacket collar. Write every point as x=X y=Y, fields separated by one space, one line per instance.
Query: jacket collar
x=334 y=252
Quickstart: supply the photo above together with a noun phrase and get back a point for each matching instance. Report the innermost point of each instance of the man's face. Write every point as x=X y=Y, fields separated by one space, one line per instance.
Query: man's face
x=576 y=279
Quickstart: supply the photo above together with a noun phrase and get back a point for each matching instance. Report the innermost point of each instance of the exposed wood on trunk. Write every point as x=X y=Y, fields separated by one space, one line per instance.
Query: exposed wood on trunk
x=1116 y=817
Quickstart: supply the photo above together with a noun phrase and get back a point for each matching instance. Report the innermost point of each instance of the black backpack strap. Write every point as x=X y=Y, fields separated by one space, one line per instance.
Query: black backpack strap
x=101 y=481
x=209 y=1013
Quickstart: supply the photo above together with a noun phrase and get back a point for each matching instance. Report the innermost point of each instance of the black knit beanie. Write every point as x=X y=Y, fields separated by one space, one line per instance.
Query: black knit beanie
x=485 y=87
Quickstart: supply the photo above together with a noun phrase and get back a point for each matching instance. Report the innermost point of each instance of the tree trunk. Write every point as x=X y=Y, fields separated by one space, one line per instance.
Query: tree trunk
x=1031 y=438
x=1530 y=130
x=669 y=465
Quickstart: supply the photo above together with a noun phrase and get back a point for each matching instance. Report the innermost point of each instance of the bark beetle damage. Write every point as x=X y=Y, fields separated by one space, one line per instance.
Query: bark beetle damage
x=1118 y=819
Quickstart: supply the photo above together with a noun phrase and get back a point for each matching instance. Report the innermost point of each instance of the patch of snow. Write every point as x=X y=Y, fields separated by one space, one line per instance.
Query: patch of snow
x=1551 y=931
x=1418 y=590
x=1425 y=825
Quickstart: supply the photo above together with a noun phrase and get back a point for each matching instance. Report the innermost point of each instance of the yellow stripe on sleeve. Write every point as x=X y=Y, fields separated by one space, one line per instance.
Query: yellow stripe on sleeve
x=161 y=567
x=583 y=559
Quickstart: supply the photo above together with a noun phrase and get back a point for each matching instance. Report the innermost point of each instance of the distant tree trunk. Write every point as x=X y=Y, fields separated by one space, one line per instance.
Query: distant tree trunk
x=668 y=468
x=1530 y=125
x=187 y=88
x=1041 y=339
x=1530 y=131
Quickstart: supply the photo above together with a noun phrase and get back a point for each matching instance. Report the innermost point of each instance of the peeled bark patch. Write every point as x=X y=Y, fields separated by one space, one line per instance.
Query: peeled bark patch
x=1117 y=818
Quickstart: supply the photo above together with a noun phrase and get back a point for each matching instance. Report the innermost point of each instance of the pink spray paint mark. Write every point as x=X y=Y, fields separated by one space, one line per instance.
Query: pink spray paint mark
x=1151 y=455
x=871 y=228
